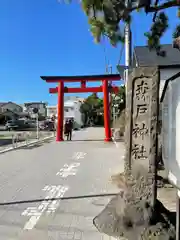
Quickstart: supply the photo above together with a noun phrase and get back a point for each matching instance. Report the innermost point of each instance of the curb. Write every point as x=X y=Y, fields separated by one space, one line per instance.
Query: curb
x=114 y=141
x=25 y=145
x=106 y=237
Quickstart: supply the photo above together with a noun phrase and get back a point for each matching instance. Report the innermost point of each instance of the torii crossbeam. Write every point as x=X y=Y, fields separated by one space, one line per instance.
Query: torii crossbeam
x=61 y=89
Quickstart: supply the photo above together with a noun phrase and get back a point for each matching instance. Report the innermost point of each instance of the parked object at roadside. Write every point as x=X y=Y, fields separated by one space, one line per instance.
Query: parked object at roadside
x=47 y=126
x=16 y=125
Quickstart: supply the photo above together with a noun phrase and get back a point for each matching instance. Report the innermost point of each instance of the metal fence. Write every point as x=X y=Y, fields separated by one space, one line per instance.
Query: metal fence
x=10 y=140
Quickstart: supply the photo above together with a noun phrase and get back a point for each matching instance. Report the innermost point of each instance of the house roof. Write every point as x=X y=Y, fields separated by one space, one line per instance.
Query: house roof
x=20 y=114
x=144 y=57
x=4 y=103
x=31 y=103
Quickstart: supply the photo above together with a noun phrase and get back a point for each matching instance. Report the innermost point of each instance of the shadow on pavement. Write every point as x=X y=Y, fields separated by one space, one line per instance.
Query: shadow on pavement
x=58 y=198
x=32 y=146
x=119 y=140
x=93 y=140
x=36 y=145
x=86 y=140
x=6 y=141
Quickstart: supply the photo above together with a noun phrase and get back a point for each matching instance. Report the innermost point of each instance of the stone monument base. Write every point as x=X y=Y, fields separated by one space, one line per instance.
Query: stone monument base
x=130 y=214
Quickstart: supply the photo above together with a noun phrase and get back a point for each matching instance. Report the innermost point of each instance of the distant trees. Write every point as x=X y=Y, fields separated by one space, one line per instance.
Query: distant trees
x=119 y=99
x=93 y=108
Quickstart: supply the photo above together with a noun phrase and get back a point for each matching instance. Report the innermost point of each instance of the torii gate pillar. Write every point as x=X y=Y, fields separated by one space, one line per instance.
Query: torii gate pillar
x=60 y=110
x=106 y=112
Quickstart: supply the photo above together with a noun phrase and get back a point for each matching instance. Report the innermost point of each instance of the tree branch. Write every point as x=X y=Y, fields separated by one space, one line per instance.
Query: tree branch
x=173 y=3
x=165 y=5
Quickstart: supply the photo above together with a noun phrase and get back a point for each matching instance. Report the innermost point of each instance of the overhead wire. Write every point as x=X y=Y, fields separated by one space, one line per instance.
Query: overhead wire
x=134 y=35
x=120 y=54
x=105 y=56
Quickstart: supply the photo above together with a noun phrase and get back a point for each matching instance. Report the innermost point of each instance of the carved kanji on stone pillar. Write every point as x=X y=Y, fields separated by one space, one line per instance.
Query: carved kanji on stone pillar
x=142 y=123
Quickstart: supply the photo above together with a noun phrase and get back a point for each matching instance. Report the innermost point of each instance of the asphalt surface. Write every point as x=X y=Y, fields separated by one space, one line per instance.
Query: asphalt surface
x=54 y=170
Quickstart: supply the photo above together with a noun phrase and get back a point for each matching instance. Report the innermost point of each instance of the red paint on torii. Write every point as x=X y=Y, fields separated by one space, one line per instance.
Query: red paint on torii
x=82 y=79
x=82 y=90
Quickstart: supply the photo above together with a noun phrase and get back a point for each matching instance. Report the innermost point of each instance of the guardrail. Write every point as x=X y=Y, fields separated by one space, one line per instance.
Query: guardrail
x=27 y=137
x=20 y=139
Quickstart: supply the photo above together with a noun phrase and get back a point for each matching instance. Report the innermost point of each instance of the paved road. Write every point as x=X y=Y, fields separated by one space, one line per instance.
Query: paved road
x=56 y=170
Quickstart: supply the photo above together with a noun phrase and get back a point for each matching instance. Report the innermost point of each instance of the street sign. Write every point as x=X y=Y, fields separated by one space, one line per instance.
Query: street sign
x=171 y=130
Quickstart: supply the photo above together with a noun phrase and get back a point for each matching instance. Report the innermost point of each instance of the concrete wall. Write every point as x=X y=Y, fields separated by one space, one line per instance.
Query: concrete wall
x=51 y=110
x=72 y=110
x=171 y=130
x=164 y=75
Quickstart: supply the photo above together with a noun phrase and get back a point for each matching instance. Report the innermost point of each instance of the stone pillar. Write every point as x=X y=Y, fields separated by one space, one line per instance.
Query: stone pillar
x=142 y=124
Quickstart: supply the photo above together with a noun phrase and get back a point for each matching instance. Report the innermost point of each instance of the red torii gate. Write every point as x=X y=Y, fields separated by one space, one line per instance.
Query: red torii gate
x=61 y=89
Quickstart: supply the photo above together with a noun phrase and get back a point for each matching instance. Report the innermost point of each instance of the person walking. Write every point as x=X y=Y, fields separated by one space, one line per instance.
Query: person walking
x=70 y=128
x=66 y=129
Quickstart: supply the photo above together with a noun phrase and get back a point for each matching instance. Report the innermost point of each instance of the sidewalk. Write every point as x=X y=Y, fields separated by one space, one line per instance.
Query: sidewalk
x=73 y=219
x=167 y=195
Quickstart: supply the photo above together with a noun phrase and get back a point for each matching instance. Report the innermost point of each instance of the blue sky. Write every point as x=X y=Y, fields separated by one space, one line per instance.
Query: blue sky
x=44 y=37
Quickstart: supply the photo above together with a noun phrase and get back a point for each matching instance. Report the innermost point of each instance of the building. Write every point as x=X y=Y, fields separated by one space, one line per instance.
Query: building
x=4 y=106
x=73 y=98
x=10 y=111
x=51 y=111
x=169 y=64
x=72 y=110
x=41 y=106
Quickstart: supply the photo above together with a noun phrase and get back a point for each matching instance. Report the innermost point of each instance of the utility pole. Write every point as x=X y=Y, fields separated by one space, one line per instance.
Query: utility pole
x=110 y=93
x=128 y=43
x=37 y=125
x=178 y=216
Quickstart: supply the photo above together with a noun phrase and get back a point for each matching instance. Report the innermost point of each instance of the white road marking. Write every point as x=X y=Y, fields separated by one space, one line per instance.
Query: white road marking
x=54 y=191
x=46 y=206
x=68 y=170
x=71 y=170
x=79 y=155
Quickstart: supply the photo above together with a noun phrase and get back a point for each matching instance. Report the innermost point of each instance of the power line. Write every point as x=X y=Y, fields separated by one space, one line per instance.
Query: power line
x=105 y=56
x=120 y=55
